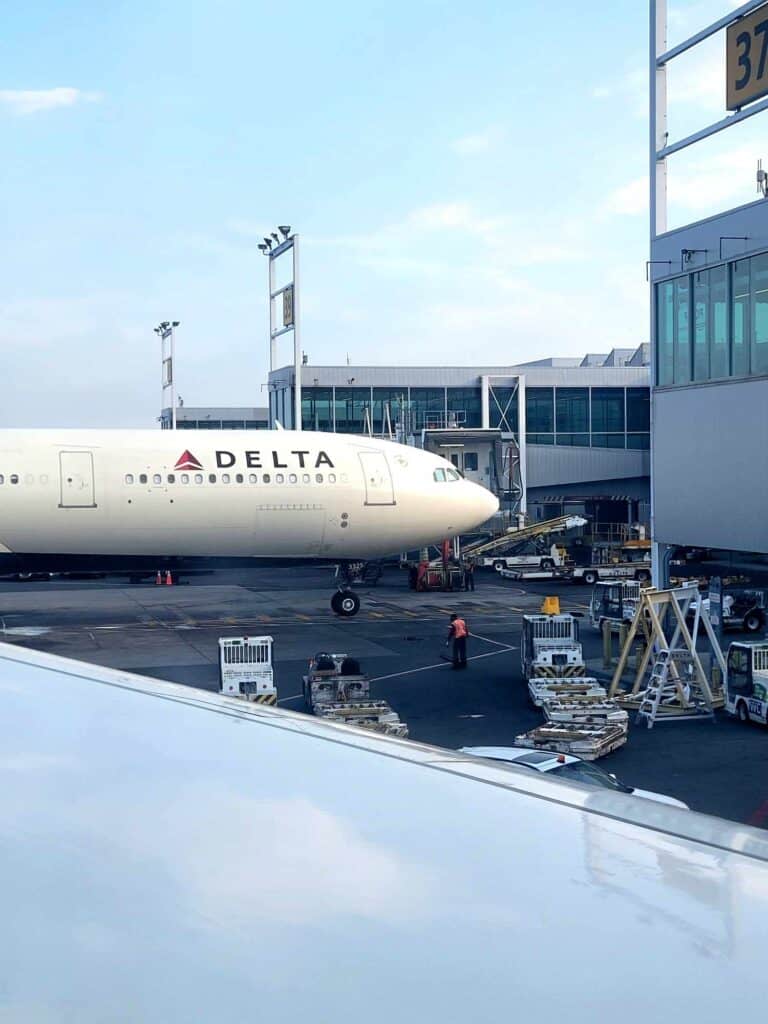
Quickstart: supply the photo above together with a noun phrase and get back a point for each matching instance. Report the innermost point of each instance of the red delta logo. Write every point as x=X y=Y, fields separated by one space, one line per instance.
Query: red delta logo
x=188 y=461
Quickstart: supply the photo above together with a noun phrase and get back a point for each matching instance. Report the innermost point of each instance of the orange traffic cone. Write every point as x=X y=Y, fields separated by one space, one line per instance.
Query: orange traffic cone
x=158 y=579
x=168 y=578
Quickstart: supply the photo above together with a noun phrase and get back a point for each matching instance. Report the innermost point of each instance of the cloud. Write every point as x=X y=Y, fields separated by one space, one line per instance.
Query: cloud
x=480 y=142
x=711 y=182
x=32 y=101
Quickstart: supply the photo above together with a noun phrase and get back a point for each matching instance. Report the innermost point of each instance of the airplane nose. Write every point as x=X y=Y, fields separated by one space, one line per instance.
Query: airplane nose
x=484 y=504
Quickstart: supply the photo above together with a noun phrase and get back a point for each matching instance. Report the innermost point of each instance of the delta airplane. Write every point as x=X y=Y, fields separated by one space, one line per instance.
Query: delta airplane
x=134 y=501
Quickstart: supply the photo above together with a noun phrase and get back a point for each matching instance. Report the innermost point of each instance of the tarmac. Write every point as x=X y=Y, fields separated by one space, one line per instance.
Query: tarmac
x=399 y=636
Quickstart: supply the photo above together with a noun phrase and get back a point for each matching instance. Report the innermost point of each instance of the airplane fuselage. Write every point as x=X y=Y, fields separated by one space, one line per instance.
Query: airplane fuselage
x=112 y=497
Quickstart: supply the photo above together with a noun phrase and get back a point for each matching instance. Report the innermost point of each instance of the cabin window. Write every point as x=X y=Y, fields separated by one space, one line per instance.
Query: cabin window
x=239 y=478
x=318 y=478
x=305 y=478
x=171 y=478
x=14 y=478
x=344 y=478
x=252 y=478
x=2 y=479
x=211 y=478
x=142 y=478
x=225 y=478
x=293 y=479
x=331 y=478
x=129 y=478
x=279 y=478
x=198 y=478
x=43 y=478
x=185 y=478
x=266 y=478
x=29 y=479
x=157 y=479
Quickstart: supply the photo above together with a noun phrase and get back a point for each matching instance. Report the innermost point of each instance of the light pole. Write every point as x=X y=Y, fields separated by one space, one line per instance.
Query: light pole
x=164 y=331
x=273 y=247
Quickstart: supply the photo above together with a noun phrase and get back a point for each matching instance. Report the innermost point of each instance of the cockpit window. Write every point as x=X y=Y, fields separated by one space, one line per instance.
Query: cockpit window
x=452 y=474
x=439 y=476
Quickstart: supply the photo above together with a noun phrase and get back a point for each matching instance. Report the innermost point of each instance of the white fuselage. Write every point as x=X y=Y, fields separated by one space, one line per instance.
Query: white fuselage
x=225 y=494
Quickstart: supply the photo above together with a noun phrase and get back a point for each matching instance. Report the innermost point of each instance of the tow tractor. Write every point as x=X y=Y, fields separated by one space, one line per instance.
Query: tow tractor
x=245 y=668
x=616 y=600
x=746 y=681
x=335 y=687
x=745 y=609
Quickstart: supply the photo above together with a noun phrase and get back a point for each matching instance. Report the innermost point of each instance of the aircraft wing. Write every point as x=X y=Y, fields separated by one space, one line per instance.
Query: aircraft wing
x=172 y=855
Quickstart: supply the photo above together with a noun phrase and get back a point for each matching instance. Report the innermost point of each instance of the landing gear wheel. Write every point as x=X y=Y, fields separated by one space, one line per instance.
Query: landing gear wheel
x=345 y=603
x=742 y=713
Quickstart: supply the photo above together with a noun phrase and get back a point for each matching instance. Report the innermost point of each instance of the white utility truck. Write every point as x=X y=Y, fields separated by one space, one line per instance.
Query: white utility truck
x=245 y=668
x=746 y=681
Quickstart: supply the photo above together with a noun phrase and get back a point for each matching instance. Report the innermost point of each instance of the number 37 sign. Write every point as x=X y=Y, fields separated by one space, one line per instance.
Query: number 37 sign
x=747 y=59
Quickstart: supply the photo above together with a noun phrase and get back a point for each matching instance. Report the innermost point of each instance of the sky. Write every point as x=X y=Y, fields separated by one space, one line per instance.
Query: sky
x=469 y=182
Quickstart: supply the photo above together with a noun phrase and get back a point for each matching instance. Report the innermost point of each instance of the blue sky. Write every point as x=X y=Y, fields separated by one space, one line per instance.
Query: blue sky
x=469 y=182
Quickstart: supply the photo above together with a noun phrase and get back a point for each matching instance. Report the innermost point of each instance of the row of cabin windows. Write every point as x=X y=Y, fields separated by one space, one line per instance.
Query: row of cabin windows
x=227 y=478
x=14 y=478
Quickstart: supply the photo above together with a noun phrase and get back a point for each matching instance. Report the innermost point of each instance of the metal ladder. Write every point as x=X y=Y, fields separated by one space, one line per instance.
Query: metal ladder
x=657 y=688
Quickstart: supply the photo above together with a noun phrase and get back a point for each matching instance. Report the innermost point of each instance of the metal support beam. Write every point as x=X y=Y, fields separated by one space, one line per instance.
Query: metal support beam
x=710 y=30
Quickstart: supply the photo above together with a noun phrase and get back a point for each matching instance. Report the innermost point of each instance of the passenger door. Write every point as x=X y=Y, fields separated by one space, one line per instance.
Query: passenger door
x=77 y=484
x=379 y=489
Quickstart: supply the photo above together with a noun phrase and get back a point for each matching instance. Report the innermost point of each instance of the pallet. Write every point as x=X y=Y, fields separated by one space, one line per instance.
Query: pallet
x=541 y=689
x=588 y=744
x=589 y=714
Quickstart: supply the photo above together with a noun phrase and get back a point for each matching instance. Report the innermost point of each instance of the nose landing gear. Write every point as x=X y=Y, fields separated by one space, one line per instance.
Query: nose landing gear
x=345 y=603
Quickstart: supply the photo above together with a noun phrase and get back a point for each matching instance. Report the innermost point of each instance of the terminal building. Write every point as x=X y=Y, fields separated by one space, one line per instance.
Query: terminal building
x=709 y=335
x=553 y=436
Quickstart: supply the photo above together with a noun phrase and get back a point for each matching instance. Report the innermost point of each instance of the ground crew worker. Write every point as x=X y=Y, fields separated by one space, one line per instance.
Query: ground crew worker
x=469 y=576
x=458 y=632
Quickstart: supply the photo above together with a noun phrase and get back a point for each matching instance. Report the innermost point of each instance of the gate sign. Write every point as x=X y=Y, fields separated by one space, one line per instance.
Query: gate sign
x=288 y=306
x=746 y=51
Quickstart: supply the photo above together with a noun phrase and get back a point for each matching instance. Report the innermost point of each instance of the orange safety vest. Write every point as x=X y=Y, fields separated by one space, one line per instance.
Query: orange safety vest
x=459 y=628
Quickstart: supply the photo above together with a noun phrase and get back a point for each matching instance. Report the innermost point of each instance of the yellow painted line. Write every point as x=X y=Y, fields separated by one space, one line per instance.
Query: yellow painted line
x=306 y=618
x=375 y=615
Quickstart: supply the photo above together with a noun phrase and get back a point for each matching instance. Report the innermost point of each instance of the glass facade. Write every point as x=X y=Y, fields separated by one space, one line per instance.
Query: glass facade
x=713 y=324
x=607 y=417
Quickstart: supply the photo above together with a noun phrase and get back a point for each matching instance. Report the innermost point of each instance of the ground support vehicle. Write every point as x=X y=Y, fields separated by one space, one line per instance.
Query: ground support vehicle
x=746 y=681
x=590 y=574
x=334 y=679
x=587 y=713
x=375 y=715
x=542 y=689
x=585 y=742
x=745 y=609
x=525 y=546
x=336 y=687
x=245 y=668
x=563 y=574
x=614 y=600
x=550 y=647
x=568 y=767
